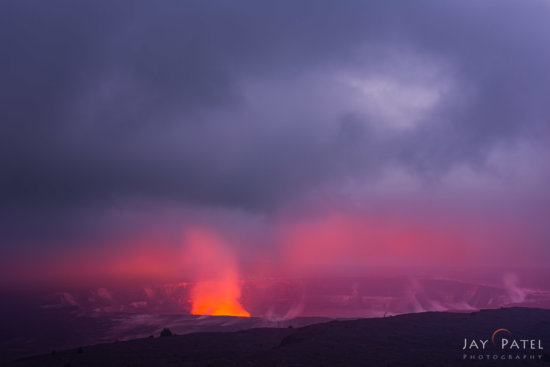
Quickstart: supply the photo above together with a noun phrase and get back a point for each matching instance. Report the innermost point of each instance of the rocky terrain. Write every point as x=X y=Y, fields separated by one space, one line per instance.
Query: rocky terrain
x=420 y=339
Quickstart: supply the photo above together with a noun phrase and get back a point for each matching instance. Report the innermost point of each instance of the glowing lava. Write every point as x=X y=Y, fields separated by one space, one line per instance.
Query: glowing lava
x=209 y=258
x=217 y=299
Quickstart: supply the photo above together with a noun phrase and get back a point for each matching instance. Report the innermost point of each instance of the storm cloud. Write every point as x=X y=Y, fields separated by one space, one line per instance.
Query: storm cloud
x=251 y=106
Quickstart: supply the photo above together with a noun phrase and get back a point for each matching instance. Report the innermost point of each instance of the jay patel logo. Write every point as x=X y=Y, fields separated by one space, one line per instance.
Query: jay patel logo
x=503 y=346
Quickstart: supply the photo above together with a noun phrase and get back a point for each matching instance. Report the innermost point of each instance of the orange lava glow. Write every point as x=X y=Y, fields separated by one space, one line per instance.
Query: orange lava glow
x=209 y=258
x=217 y=299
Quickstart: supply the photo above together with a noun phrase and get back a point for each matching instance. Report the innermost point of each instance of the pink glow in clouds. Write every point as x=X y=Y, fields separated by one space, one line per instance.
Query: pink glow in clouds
x=336 y=244
x=329 y=243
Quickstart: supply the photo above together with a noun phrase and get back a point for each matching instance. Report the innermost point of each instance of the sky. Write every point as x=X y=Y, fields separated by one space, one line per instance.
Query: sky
x=308 y=138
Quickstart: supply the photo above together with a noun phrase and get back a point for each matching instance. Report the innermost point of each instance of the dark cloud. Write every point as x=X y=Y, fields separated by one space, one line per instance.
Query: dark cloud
x=247 y=104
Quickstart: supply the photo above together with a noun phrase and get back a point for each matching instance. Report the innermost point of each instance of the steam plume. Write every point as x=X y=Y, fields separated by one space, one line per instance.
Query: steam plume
x=218 y=290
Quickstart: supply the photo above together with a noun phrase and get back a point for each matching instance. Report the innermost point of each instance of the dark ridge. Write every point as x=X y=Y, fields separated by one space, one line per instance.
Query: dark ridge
x=421 y=339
